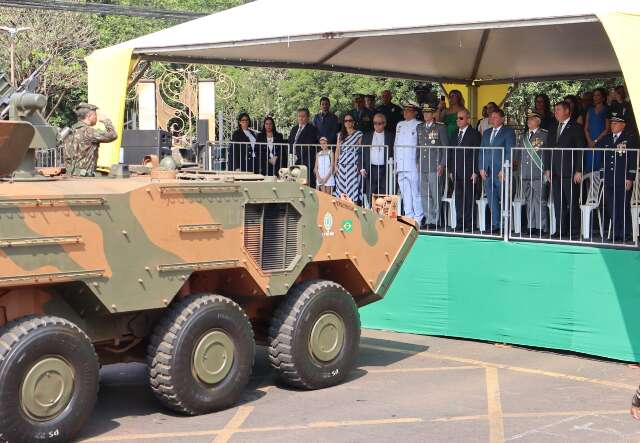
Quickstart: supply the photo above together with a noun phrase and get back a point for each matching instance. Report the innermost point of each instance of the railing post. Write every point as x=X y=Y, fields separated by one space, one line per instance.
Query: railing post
x=506 y=205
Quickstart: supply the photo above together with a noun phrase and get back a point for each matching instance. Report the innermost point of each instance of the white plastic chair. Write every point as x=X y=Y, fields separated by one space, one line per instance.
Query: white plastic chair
x=594 y=198
x=449 y=205
x=517 y=203
x=482 y=203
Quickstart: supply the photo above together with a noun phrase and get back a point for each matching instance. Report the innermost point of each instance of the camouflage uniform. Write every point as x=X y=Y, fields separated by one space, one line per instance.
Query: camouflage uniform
x=81 y=148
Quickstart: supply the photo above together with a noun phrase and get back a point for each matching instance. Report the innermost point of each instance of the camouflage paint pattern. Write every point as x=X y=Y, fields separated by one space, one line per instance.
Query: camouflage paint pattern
x=125 y=245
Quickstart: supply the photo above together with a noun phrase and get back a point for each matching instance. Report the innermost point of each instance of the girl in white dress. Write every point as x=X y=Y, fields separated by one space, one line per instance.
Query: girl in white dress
x=324 y=167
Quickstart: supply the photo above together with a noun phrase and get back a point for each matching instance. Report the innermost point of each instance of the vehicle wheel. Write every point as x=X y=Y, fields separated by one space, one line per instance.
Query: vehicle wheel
x=49 y=377
x=315 y=335
x=201 y=355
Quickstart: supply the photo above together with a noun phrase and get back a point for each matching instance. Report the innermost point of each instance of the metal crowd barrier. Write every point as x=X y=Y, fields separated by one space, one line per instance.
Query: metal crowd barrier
x=548 y=202
x=49 y=158
x=455 y=198
x=527 y=197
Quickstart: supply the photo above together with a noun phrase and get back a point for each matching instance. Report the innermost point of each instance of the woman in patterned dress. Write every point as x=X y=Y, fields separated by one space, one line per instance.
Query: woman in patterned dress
x=348 y=158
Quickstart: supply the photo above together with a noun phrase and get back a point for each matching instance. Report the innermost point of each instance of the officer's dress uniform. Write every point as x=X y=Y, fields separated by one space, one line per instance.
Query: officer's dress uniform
x=532 y=178
x=431 y=137
x=620 y=164
x=407 y=167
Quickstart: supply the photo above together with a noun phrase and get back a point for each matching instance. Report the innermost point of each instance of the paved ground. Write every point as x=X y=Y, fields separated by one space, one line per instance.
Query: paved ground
x=405 y=388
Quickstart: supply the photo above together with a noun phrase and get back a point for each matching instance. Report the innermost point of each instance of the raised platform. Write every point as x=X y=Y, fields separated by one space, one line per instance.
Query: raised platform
x=575 y=298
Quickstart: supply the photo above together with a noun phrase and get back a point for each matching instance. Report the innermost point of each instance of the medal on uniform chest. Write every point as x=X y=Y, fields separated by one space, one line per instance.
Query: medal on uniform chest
x=536 y=143
x=433 y=136
x=621 y=148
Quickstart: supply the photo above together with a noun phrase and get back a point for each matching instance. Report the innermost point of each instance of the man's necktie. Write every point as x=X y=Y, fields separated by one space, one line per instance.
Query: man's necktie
x=615 y=138
x=297 y=135
x=493 y=135
x=460 y=134
x=531 y=135
x=560 y=127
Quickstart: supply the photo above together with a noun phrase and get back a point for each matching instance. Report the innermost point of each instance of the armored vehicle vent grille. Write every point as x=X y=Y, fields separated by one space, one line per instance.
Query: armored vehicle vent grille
x=271 y=235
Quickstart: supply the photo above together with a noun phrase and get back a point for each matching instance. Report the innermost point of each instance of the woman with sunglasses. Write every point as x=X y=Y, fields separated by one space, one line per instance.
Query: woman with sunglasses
x=244 y=156
x=348 y=161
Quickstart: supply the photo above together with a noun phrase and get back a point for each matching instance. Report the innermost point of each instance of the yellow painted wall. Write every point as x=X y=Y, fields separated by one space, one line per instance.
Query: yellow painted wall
x=108 y=71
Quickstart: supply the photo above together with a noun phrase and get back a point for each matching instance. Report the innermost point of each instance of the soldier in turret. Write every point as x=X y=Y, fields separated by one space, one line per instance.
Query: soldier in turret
x=81 y=148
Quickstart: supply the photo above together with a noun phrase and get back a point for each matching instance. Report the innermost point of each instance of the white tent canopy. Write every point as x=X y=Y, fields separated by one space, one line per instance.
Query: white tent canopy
x=470 y=41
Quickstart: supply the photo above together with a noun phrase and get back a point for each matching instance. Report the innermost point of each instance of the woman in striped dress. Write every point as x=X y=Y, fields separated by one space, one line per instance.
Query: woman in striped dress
x=348 y=160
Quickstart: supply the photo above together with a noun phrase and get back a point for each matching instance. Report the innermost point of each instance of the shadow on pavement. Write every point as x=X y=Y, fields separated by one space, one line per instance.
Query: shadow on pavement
x=382 y=358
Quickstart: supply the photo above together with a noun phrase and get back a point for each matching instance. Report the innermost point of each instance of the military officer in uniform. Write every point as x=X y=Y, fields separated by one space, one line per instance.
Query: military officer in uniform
x=620 y=169
x=391 y=111
x=406 y=152
x=531 y=168
x=363 y=116
x=431 y=135
x=81 y=148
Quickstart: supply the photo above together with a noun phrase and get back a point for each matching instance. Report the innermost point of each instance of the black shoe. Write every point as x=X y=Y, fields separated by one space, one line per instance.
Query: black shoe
x=534 y=232
x=424 y=226
x=432 y=226
x=554 y=236
x=468 y=229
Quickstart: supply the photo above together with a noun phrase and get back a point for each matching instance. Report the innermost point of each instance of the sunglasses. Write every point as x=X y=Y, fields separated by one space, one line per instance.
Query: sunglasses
x=348 y=120
x=378 y=123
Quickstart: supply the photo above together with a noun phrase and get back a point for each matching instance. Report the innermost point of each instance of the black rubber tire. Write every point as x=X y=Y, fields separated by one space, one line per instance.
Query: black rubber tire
x=291 y=329
x=171 y=349
x=22 y=343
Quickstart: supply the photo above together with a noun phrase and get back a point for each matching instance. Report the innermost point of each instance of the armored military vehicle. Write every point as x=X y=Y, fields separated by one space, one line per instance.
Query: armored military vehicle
x=186 y=272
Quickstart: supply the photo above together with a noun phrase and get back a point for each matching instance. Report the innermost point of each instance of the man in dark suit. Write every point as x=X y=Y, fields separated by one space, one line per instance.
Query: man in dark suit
x=463 y=172
x=301 y=137
x=490 y=162
x=363 y=116
x=565 y=170
x=391 y=111
x=327 y=122
x=620 y=167
x=378 y=147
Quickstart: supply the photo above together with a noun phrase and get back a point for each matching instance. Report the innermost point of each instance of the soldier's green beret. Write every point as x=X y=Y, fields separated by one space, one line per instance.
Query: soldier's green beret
x=86 y=106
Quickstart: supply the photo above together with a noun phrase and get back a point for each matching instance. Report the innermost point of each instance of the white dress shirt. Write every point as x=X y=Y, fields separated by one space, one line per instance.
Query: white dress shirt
x=377 y=149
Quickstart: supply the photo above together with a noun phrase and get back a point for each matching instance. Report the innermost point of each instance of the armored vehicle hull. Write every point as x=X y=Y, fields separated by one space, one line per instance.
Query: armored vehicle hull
x=186 y=274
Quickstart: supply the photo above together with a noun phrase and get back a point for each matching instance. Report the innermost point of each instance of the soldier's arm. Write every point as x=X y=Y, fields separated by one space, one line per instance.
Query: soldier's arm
x=99 y=136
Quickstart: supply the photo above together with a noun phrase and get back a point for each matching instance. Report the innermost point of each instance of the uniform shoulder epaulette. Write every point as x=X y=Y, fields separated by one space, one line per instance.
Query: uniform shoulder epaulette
x=544 y=130
x=439 y=123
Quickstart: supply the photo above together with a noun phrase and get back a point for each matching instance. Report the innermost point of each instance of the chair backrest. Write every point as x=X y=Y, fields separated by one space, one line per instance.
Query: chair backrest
x=594 y=193
x=635 y=193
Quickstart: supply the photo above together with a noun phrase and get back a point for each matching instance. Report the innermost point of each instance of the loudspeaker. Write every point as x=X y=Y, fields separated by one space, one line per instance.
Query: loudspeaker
x=134 y=155
x=202 y=132
x=146 y=138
